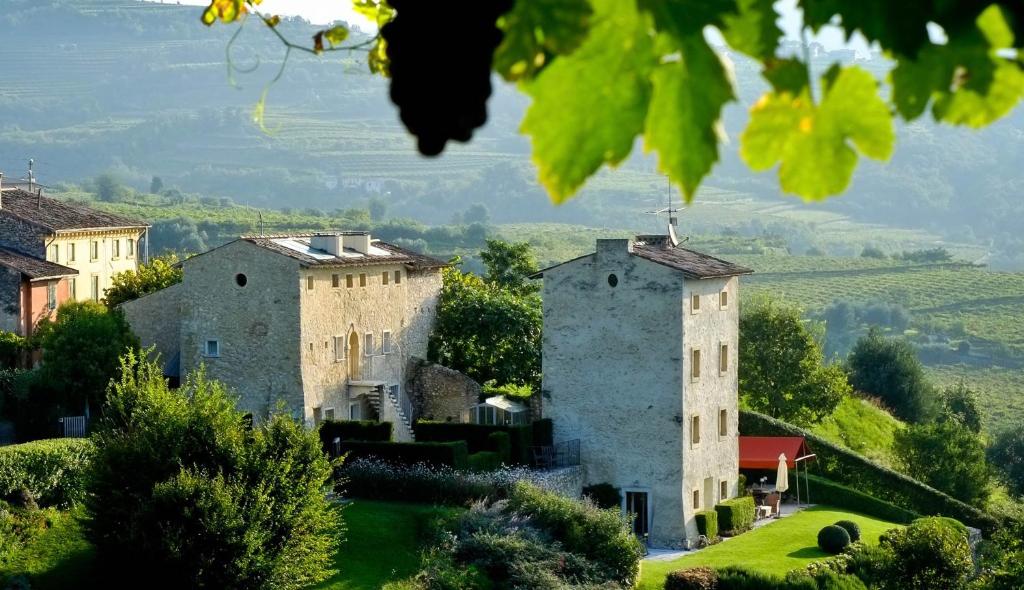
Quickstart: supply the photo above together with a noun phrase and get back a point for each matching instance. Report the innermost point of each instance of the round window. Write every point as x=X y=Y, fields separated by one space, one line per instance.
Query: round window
x=613 y=280
x=241 y=279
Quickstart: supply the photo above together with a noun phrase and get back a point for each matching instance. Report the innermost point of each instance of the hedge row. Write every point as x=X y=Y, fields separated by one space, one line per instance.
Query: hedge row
x=707 y=524
x=735 y=515
x=53 y=471
x=830 y=492
x=477 y=436
x=451 y=454
x=736 y=578
x=844 y=466
x=346 y=430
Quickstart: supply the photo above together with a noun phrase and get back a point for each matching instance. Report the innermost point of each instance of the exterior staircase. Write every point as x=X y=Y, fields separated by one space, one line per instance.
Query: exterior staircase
x=401 y=408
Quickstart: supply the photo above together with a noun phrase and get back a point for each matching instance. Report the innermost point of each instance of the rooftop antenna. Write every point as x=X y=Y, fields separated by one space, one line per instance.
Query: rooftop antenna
x=31 y=176
x=673 y=219
x=260 y=213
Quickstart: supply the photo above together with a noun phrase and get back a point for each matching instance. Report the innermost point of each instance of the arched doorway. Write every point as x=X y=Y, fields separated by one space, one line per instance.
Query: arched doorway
x=354 y=357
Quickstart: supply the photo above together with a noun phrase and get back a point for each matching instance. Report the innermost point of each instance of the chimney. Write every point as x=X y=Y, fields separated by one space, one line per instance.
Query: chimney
x=358 y=241
x=330 y=243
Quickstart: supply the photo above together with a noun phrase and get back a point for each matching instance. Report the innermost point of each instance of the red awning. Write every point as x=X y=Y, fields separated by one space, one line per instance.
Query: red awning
x=762 y=452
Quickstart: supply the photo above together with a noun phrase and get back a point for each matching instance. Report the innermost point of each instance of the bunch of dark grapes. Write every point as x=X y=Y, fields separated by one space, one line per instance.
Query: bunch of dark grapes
x=440 y=55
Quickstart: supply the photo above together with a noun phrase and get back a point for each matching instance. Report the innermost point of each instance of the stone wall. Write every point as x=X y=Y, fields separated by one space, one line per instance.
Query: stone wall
x=156 y=320
x=10 y=300
x=439 y=393
x=19 y=235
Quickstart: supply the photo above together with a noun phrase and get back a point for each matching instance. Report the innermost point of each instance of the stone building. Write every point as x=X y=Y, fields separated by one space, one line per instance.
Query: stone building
x=94 y=243
x=639 y=358
x=323 y=325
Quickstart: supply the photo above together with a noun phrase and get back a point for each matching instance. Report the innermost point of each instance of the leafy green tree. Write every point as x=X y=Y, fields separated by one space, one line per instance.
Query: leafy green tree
x=184 y=493
x=108 y=188
x=960 y=404
x=601 y=73
x=378 y=209
x=946 y=456
x=477 y=213
x=487 y=331
x=930 y=553
x=509 y=264
x=81 y=352
x=1007 y=455
x=156 y=185
x=888 y=368
x=161 y=272
x=781 y=366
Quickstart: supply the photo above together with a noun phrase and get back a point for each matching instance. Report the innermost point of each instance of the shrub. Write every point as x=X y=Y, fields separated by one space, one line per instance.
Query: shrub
x=834 y=581
x=834 y=494
x=870 y=563
x=603 y=495
x=851 y=528
x=735 y=515
x=372 y=478
x=946 y=521
x=184 y=492
x=484 y=461
x=476 y=437
x=844 y=466
x=733 y=578
x=53 y=472
x=453 y=454
x=707 y=524
x=601 y=536
x=833 y=539
x=12 y=347
x=366 y=430
x=501 y=444
x=930 y=553
x=694 y=578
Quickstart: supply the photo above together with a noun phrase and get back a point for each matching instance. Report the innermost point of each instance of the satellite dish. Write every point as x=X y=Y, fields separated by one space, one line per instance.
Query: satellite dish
x=672 y=237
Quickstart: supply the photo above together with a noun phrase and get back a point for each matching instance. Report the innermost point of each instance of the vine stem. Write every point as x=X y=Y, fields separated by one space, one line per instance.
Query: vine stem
x=291 y=45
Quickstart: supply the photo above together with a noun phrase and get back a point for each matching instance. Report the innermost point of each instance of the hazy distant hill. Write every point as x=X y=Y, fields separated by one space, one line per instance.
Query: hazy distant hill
x=88 y=86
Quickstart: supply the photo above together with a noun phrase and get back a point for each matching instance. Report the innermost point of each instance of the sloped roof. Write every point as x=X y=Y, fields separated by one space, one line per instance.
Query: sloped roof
x=762 y=452
x=297 y=246
x=57 y=215
x=32 y=267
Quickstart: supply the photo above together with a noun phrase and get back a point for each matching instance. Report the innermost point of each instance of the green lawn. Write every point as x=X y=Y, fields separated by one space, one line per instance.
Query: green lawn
x=863 y=428
x=775 y=548
x=382 y=544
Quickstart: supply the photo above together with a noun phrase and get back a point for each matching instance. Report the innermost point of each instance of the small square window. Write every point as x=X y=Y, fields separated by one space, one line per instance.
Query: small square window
x=695 y=430
x=335 y=281
x=368 y=344
x=694 y=303
x=362 y=279
x=71 y=252
x=349 y=281
x=695 y=363
x=723 y=358
x=328 y=413
x=385 y=342
x=398 y=277
x=723 y=490
x=340 y=346
x=723 y=299
x=94 y=250
x=115 y=249
x=723 y=423
x=384 y=276
x=696 y=499
x=211 y=348
x=309 y=283
x=54 y=253
x=130 y=247
x=355 y=412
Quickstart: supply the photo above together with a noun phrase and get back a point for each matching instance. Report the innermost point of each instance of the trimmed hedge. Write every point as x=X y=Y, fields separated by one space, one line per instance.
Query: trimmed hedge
x=53 y=471
x=707 y=524
x=735 y=578
x=693 y=578
x=453 y=454
x=484 y=461
x=373 y=479
x=832 y=539
x=501 y=444
x=366 y=430
x=852 y=529
x=735 y=515
x=829 y=492
x=477 y=437
x=844 y=466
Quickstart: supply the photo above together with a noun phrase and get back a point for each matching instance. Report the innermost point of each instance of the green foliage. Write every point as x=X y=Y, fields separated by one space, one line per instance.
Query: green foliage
x=928 y=554
x=846 y=467
x=537 y=31
x=828 y=492
x=373 y=479
x=484 y=461
x=707 y=523
x=947 y=457
x=477 y=437
x=960 y=404
x=109 y=188
x=1002 y=560
x=692 y=578
x=486 y=331
x=53 y=472
x=851 y=528
x=352 y=430
x=520 y=393
x=82 y=351
x=12 y=347
x=453 y=453
x=781 y=366
x=833 y=539
x=501 y=444
x=603 y=495
x=737 y=578
x=834 y=581
x=180 y=481
x=1006 y=453
x=735 y=515
x=161 y=272
x=888 y=368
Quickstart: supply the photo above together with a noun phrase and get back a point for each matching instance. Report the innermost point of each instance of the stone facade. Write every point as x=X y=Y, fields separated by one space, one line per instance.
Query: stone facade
x=317 y=341
x=619 y=336
x=10 y=300
x=439 y=393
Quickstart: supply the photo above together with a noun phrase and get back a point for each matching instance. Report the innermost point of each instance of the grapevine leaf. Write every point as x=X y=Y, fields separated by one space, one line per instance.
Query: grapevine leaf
x=377 y=12
x=377 y=59
x=272 y=21
x=683 y=18
x=538 y=30
x=786 y=75
x=228 y=11
x=318 y=42
x=753 y=29
x=686 y=106
x=336 y=35
x=898 y=26
x=816 y=144
x=589 y=106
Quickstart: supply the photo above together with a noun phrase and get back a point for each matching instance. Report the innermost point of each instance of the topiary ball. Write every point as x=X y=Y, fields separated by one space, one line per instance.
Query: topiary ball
x=852 y=528
x=833 y=539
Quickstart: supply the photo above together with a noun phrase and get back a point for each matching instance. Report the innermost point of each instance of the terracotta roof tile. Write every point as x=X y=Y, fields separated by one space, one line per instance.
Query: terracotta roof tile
x=396 y=254
x=32 y=267
x=58 y=215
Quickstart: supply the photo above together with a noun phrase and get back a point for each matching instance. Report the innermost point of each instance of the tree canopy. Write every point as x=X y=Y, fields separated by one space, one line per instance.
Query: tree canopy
x=888 y=368
x=160 y=272
x=601 y=73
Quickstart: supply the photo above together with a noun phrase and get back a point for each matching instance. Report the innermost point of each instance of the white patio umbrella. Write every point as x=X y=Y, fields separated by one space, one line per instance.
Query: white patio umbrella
x=782 y=478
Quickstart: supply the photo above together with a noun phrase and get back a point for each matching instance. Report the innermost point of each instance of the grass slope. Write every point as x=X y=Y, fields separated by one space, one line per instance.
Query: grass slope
x=776 y=548
x=863 y=427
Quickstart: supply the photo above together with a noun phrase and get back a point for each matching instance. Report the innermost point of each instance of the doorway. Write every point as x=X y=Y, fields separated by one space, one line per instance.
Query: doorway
x=638 y=506
x=354 y=358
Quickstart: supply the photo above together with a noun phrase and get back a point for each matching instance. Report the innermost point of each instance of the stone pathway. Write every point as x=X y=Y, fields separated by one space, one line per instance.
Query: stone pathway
x=673 y=554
